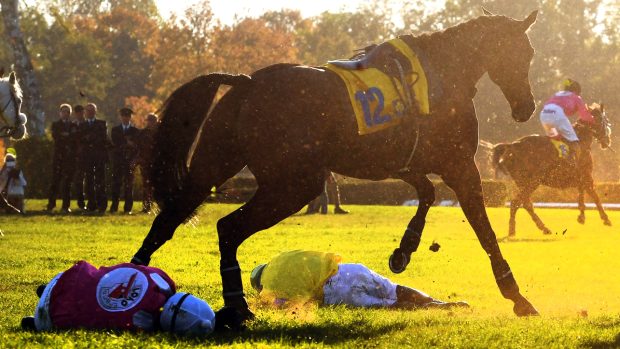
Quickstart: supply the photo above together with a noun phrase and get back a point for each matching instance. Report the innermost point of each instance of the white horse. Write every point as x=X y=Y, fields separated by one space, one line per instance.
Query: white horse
x=12 y=121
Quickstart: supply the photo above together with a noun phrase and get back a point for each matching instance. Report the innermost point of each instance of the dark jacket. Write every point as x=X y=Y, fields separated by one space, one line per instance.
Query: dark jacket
x=146 y=143
x=124 y=143
x=94 y=140
x=64 y=135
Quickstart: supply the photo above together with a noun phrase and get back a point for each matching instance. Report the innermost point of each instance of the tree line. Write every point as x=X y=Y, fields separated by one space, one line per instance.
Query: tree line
x=124 y=52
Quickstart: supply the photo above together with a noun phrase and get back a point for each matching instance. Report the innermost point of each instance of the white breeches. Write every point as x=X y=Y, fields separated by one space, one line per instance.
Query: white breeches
x=356 y=285
x=556 y=123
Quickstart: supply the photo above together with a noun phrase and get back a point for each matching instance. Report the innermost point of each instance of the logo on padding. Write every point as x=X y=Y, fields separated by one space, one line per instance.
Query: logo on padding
x=121 y=289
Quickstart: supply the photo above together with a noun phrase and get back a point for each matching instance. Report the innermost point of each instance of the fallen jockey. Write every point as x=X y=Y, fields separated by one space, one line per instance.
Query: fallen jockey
x=316 y=276
x=124 y=297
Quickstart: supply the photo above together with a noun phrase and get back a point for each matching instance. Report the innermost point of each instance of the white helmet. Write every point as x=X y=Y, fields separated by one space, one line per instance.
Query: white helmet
x=187 y=315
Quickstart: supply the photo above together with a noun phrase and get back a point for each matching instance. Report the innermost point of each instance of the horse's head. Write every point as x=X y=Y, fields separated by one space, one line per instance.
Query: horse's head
x=601 y=127
x=12 y=121
x=507 y=53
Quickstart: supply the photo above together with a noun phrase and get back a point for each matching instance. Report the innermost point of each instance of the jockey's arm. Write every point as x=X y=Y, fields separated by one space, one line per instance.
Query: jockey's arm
x=584 y=113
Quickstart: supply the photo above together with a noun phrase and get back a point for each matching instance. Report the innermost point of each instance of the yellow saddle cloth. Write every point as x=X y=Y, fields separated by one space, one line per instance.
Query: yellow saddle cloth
x=378 y=100
x=561 y=147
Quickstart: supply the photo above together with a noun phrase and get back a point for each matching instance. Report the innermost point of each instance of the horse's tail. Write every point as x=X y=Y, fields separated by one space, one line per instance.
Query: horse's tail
x=181 y=118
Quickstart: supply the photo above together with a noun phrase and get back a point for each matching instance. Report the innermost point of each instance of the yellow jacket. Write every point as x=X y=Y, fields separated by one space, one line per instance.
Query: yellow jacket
x=299 y=275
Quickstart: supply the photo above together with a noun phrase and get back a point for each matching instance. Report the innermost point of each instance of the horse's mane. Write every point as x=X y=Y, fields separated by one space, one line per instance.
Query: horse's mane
x=16 y=88
x=456 y=31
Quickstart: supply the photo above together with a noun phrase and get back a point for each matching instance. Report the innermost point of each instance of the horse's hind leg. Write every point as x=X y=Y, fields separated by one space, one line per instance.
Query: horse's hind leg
x=468 y=188
x=206 y=171
x=411 y=239
x=601 y=211
x=172 y=214
x=527 y=204
x=275 y=199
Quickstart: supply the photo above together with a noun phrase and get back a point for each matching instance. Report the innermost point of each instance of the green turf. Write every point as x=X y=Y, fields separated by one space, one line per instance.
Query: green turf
x=565 y=275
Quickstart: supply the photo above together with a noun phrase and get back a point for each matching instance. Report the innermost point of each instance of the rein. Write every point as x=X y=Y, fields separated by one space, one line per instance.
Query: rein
x=8 y=129
x=409 y=104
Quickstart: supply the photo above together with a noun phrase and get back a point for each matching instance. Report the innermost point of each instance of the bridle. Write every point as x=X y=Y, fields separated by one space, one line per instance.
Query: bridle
x=6 y=130
x=602 y=128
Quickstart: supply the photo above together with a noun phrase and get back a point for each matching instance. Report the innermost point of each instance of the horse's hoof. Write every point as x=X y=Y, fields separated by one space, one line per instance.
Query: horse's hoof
x=607 y=222
x=547 y=231
x=398 y=261
x=581 y=219
x=524 y=308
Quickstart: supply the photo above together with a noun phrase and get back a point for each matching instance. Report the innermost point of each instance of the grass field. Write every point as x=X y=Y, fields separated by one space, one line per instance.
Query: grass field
x=571 y=277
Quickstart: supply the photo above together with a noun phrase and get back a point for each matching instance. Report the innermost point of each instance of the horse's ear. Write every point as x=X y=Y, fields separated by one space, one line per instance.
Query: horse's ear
x=487 y=12
x=529 y=20
x=12 y=78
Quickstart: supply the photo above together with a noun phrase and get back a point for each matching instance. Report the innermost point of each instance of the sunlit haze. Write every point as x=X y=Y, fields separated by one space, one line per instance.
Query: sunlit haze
x=226 y=10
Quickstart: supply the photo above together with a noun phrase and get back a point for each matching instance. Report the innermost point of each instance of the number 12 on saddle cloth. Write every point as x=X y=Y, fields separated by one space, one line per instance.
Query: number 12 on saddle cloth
x=379 y=100
x=561 y=147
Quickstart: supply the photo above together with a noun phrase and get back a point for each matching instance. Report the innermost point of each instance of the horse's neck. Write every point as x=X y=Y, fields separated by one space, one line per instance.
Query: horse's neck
x=454 y=55
x=585 y=135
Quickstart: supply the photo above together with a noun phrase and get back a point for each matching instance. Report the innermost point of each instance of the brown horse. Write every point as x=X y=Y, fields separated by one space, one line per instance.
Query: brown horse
x=291 y=124
x=548 y=169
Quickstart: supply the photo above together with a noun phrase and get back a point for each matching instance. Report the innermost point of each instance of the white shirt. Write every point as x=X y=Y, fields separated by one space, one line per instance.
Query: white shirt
x=16 y=187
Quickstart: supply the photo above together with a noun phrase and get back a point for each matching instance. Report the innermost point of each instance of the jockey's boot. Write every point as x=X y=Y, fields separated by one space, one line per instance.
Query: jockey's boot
x=574 y=153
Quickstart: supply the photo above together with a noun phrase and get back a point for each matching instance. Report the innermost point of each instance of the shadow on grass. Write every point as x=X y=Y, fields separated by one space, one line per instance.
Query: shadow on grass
x=614 y=343
x=303 y=333
x=289 y=333
x=509 y=240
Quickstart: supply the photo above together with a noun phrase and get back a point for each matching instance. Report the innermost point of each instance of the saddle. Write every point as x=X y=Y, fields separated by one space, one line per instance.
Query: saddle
x=386 y=84
x=359 y=61
x=561 y=147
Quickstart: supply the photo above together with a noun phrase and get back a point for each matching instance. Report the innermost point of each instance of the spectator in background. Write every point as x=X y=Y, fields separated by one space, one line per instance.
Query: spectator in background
x=322 y=201
x=78 y=179
x=94 y=140
x=12 y=185
x=63 y=161
x=124 y=151
x=145 y=159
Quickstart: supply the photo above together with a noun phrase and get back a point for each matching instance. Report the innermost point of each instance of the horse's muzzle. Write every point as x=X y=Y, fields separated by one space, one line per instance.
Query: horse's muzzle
x=20 y=131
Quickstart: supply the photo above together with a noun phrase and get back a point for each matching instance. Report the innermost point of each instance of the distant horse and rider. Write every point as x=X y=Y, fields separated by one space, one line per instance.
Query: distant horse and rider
x=291 y=124
x=12 y=125
x=553 y=161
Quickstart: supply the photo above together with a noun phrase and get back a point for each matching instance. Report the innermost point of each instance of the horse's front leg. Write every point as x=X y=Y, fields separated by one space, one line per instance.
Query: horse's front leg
x=597 y=200
x=468 y=188
x=411 y=239
x=582 y=206
x=273 y=201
